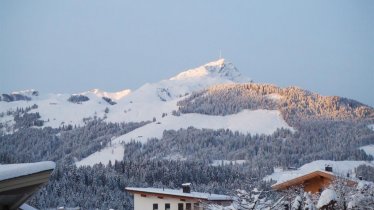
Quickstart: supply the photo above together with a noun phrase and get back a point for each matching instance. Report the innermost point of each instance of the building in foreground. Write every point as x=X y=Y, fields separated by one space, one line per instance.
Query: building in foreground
x=18 y=182
x=169 y=199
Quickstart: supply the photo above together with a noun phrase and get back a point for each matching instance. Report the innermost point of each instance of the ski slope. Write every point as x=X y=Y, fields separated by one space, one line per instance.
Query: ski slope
x=246 y=121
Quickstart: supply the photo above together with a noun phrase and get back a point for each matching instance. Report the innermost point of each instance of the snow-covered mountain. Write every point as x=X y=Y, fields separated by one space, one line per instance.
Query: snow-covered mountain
x=212 y=96
x=155 y=102
x=143 y=104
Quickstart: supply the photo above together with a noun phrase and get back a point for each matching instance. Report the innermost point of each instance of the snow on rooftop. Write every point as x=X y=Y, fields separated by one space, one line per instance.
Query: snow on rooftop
x=9 y=171
x=199 y=195
x=339 y=168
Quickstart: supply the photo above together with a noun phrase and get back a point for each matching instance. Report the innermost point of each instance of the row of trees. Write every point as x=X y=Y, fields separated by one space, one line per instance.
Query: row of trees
x=103 y=187
x=315 y=141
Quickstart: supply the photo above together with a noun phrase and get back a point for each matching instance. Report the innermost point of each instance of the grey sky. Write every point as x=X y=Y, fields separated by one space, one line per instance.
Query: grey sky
x=72 y=46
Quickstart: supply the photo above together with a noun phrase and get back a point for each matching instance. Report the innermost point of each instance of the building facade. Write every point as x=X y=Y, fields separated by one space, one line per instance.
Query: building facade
x=170 y=199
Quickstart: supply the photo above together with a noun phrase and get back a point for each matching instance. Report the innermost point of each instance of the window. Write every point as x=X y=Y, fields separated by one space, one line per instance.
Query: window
x=167 y=206
x=188 y=206
x=155 y=206
x=196 y=206
x=180 y=206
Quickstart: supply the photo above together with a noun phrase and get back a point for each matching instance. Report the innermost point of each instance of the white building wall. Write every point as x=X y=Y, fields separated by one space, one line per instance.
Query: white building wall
x=146 y=203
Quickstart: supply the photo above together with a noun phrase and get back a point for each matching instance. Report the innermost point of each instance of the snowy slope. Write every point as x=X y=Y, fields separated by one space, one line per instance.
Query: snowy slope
x=142 y=104
x=258 y=121
x=152 y=101
x=369 y=149
x=339 y=167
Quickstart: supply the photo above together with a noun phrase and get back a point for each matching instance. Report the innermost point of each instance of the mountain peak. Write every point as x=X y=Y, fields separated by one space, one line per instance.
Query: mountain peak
x=219 y=68
x=112 y=95
x=220 y=62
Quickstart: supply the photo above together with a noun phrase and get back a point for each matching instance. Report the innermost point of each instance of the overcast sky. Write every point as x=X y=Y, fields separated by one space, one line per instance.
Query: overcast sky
x=72 y=46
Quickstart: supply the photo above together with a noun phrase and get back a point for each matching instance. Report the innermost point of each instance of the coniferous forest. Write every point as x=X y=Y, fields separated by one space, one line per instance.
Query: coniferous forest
x=325 y=128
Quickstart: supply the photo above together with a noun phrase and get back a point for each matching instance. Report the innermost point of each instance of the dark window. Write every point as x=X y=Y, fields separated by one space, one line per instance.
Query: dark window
x=167 y=206
x=155 y=206
x=196 y=206
x=188 y=206
x=180 y=206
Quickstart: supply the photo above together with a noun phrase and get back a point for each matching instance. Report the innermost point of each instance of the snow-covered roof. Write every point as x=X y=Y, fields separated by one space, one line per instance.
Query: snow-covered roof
x=339 y=168
x=301 y=177
x=198 y=195
x=9 y=171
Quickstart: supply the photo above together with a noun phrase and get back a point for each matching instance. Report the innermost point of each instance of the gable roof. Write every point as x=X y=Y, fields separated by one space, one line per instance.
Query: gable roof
x=180 y=193
x=300 y=179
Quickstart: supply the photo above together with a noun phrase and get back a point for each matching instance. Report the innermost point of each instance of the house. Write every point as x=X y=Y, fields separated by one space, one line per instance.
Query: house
x=18 y=182
x=169 y=199
x=313 y=181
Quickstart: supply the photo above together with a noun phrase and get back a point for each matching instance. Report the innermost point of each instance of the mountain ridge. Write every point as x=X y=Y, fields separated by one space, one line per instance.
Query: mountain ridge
x=169 y=95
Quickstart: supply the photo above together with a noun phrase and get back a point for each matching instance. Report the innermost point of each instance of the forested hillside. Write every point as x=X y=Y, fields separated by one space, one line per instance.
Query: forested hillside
x=295 y=104
x=330 y=128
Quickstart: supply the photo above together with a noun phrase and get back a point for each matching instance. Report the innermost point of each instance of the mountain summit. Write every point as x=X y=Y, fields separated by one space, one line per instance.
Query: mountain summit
x=219 y=68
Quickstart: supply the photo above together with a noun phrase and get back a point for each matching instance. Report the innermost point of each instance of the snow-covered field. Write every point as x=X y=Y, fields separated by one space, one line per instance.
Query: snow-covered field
x=247 y=121
x=339 y=167
x=369 y=149
x=104 y=156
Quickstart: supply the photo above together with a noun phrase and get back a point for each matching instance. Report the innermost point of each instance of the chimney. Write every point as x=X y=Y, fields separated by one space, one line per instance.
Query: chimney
x=186 y=187
x=328 y=168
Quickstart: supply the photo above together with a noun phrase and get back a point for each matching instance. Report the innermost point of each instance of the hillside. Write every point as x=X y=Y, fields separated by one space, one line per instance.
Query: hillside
x=294 y=103
x=210 y=120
